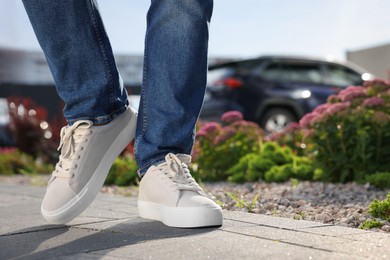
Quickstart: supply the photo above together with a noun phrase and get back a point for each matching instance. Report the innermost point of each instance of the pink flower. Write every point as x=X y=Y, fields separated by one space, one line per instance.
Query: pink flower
x=375 y=82
x=352 y=93
x=338 y=107
x=209 y=128
x=274 y=136
x=373 y=102
x=322 y=108
x=226 y=133
x=307 y=119
x=231 y=116
x=291 y=127
x=7 y=150
x=201 y=133
x=333 y=99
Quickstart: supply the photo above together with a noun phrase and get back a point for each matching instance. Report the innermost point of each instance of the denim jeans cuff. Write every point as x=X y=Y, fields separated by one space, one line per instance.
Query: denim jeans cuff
x=100 y=119
x=142 y=170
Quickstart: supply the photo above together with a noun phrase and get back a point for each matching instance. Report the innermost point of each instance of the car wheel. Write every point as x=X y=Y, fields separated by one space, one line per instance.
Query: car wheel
x=276 y=119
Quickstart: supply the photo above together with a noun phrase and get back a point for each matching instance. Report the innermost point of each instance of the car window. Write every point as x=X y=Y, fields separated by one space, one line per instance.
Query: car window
x=271 y=71
x=302 y=72
x=342 y=76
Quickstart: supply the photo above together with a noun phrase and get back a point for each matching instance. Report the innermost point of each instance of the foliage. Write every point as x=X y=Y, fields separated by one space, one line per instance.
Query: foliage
x=349 y=136
x=219 y=146
x=272 y=163
x=123 y=172
x=293 y=137
x=379 y=179
x=369 y=224
x=380 y=209
x=241 y=203
x=30 y=129
x=13 y=161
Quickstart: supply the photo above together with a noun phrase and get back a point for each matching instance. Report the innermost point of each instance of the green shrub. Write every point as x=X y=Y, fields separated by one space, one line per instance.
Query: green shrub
x=279 y=173
x=348 y=137
x=220 y=146
x=379 y=179
x=380 y=209
x=123 y=172
x=257 y=168
x=372 y=224
x=14 y=161
x=272 y=163
x=293 y=137
x=302 y=168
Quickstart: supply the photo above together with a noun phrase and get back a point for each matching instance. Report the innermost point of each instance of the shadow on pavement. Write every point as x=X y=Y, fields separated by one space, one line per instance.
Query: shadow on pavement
x=44 y=242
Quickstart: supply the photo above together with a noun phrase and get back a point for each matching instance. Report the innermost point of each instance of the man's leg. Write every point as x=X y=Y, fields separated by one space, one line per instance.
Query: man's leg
x=72 y=36
x=175 y=69
x=173 y=88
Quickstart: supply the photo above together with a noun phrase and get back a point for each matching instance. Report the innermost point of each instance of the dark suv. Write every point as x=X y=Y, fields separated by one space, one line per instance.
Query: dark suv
x=274 y=90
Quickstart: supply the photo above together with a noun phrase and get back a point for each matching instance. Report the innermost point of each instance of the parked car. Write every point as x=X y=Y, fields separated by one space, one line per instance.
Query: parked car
x=275 y=90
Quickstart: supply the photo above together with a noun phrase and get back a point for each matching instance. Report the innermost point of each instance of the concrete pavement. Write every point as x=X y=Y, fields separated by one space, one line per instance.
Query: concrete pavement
x=111 y=229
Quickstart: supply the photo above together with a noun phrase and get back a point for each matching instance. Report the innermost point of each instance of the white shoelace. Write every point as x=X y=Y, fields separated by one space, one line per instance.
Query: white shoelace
x=179 y=173
x=72 y=139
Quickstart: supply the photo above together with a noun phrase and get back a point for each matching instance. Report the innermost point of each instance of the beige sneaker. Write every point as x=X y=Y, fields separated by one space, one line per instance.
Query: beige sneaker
x=87 y=153
x=169 y=194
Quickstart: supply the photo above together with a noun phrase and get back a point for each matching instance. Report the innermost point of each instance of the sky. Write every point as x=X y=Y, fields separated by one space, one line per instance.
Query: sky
x=239 y=29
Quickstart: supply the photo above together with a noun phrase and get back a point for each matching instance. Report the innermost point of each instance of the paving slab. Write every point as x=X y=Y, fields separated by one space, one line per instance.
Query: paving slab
x=111 y=229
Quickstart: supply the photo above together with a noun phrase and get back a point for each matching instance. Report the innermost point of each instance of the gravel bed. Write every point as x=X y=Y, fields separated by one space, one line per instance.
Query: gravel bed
x=339 y=204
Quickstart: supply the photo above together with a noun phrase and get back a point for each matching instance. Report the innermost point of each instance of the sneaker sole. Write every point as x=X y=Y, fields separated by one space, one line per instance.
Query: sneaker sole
x=183 y=217
x=81 y=201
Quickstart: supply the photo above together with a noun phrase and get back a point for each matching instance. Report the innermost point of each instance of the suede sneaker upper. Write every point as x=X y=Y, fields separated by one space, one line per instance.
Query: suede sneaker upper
x=87 y=153
x=170 y=194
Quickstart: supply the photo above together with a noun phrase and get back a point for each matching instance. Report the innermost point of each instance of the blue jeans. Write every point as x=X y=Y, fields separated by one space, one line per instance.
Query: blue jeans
x=79 y=54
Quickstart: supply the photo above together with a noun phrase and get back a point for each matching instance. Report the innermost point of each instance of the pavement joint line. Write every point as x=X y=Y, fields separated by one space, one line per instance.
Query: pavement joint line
x=281 y=241
x=32 y=231
x=54 y=227
x=283 y=228
x=295 y=230
x=106 y=218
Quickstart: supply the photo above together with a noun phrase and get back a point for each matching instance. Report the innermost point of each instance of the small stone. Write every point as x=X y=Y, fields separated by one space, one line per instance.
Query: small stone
x=362 y=219
x=386 y=228
x=249 y=187
x=285 y=202
x=323 y=217
x=345 y=220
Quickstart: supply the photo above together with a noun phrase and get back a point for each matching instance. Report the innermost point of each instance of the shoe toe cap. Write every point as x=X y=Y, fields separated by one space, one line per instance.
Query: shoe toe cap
x=58 y=194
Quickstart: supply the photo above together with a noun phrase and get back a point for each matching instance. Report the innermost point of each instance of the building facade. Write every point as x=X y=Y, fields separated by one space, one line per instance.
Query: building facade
x=376 y=60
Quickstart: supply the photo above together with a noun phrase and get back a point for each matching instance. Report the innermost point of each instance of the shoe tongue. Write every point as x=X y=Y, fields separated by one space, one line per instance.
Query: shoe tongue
x=175 y=163
x=185 y=158
x=82 y=124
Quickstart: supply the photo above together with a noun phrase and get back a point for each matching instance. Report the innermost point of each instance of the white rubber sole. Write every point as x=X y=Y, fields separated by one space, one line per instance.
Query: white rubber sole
x=182 y=217
x=81 y=201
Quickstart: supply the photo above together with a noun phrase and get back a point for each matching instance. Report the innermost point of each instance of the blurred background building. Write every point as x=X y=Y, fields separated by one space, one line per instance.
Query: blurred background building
x=375 y=59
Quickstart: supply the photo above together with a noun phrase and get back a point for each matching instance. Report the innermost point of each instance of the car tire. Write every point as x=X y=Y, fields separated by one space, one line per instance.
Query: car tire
x=276 y=119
